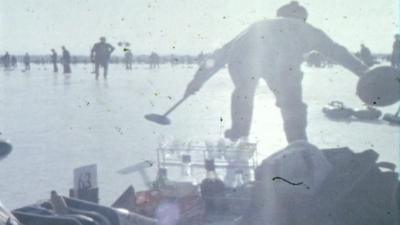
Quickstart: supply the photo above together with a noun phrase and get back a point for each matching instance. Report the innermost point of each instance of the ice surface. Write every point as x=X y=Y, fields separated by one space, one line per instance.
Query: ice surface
x=58 y=123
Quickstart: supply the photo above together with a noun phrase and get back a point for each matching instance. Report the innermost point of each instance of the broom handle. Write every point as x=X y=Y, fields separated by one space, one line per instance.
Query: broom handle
x=175 y=106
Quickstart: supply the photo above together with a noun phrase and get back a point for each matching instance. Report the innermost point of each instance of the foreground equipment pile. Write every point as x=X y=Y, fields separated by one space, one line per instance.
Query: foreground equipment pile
x=302 y=185
x=299 y=185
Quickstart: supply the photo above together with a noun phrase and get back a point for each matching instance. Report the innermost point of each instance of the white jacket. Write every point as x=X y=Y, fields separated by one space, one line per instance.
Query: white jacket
x=277 y=45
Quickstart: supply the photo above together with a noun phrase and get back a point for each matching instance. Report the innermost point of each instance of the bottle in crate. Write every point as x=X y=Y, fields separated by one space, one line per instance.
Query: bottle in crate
x=239 y=182
x=162 y=179
x=212 y=190
x=186 y=170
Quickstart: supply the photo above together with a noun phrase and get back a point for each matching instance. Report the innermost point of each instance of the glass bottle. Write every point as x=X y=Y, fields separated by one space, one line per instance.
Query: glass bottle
x=239 y=182
x=186 y=170
x=162 y=178
x=212 y=190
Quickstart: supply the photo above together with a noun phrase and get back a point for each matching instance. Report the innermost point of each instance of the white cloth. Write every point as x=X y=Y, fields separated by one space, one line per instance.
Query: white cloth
x=276 y=46
x=276 y=200
x=300 y=162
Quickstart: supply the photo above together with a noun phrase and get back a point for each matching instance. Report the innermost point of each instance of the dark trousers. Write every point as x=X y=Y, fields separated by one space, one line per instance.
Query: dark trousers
x=55 y=67
x=67 y=68
x=97 y=68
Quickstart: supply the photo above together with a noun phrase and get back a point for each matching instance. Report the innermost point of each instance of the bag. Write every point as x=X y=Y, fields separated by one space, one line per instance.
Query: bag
x=361 y=191
x=353 y=190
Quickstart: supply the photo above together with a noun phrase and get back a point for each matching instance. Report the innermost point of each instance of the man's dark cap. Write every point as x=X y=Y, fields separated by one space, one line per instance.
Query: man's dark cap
x=292 y=10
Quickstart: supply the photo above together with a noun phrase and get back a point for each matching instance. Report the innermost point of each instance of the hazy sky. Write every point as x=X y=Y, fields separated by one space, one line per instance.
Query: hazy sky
x=179 y=26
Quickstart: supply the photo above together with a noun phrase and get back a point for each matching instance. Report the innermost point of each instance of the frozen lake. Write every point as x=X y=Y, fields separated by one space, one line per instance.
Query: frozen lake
x=57 y=123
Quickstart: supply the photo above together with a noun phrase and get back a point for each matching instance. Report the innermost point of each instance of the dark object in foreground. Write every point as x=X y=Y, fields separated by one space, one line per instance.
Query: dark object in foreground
x=357 y=189
x=163 y=119
x=90 y=195
x=127 y=200
x=35 y=219
x=5 y=149
x=212 y=190
x=379 y=86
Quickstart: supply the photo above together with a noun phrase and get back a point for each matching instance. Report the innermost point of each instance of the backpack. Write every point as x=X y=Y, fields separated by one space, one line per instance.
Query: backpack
x=361 y=189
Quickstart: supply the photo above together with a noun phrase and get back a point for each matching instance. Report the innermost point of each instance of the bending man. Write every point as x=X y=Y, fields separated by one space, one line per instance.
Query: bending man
x=273 y=50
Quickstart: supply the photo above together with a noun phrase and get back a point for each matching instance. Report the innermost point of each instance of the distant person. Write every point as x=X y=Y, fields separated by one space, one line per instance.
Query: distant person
x=128 y=59
x=395 y=59
x=27 y=62
x=366 y=56
x=54 y=60
x=66 y=60
x=6 y=61
x=100 y=55
x=13 y=62
x=273 y=50
x=154 y=60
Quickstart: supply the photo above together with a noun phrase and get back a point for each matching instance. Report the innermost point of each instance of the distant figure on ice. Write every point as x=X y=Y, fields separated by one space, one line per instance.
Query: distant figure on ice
x=154 y=60
x=128 y=59
x=66 y=60
x=54 y=60
x=6 y=61
x=13 y=62
x=27 y=62
x=366 y=56
x=273 y=50
x=100 y=55
x=395 y=60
